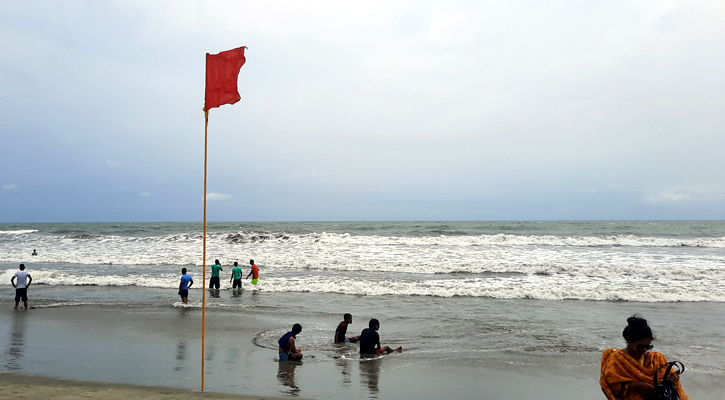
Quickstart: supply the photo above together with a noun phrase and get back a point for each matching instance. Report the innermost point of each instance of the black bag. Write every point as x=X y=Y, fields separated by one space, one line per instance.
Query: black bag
x=665 y=390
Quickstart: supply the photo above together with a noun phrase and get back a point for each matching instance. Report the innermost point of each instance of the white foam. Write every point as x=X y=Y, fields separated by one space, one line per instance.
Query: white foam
x=18 y=232
x=559 y=288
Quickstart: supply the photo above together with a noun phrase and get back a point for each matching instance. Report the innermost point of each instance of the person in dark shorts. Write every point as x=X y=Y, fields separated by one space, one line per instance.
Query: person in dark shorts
x=370 y=340
x=236 y=276
x=287 y=349
x=21 y=286
x=214 y=280
x=184 y=286
x=342 y=330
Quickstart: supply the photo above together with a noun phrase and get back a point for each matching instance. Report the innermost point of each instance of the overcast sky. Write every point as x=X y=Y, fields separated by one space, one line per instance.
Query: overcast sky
x=472 y=110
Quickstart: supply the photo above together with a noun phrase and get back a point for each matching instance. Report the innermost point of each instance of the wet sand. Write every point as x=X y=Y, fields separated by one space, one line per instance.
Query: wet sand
x=160 y=346
x=19 y=386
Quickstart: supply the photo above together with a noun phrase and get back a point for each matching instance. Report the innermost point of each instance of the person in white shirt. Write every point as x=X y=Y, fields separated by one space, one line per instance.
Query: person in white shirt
x=21 y=287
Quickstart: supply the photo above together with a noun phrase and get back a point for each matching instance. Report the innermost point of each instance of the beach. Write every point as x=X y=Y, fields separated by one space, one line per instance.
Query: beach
x=506 y=349
x=475 y=331
x=25 y=387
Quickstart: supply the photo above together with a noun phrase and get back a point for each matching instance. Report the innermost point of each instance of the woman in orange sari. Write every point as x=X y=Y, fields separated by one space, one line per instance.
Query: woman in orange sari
x=627 y=374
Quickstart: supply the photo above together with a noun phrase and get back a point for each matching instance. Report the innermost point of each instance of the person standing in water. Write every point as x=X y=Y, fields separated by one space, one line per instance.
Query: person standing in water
x=184 y=286
x=254 y=272
x=237 y=276
x=21 y=287
x=214 y=280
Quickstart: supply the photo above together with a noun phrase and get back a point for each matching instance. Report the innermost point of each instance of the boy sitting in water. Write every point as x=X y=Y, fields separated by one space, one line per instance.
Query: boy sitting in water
x=370 y=340
x=287 y=349
x=342 y=330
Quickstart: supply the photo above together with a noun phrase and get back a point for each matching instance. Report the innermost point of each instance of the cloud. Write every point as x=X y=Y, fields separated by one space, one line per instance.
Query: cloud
x=682 y=197
x=144 y=194
x=10 y=187
x=218 y=196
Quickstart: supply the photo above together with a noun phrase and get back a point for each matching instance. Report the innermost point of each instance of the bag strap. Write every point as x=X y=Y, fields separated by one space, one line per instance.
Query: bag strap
x=679 y=368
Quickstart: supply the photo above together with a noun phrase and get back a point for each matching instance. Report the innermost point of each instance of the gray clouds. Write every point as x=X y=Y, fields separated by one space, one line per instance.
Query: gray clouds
x=403 y=110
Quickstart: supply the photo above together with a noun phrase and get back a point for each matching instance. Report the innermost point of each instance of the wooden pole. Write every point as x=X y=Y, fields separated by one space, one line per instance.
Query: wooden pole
x=203 y=274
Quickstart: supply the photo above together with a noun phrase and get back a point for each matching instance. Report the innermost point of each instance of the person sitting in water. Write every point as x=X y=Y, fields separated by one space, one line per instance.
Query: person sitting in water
x=287 y=349
x=370 y=340
x=342 y=330
x=628 y=373
x=35 y=253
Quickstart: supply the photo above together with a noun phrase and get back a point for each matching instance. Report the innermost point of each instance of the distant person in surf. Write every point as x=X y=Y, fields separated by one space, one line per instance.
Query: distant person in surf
x=214 y=280
x=287 y=346
x=236 y=276
x=184 y=286
x=254 y=272
x=21 y=286
x=342 y=330
x=370 y=340
x=35 y=253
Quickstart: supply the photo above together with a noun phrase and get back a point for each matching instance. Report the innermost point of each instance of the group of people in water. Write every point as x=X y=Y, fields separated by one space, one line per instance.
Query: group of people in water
x=214 y=282
x=629 y=373
x=369 y=340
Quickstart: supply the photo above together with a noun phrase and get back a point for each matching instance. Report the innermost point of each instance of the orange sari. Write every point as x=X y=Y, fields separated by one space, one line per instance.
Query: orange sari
x=619 y=369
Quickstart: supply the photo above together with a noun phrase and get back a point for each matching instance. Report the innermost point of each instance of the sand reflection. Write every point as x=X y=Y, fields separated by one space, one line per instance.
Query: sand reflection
x=17 y=342
x=286 y=376
x=370 y=374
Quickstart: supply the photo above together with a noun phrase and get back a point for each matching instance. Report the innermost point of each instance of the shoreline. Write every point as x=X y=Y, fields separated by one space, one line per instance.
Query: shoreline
x=24 y=386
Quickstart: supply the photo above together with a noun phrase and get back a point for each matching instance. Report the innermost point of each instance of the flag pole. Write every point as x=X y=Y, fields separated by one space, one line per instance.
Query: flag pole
x=203 y=274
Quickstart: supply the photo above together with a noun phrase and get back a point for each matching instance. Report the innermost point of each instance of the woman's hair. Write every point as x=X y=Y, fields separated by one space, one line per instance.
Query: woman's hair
x=637 y=329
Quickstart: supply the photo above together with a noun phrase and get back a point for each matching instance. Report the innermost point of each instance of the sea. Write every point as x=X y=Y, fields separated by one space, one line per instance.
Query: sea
x=647 y=261
x=510 y=293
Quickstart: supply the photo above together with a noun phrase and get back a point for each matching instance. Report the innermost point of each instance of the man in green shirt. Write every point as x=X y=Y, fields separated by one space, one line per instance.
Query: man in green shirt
x=214 y=281
x=237 y=276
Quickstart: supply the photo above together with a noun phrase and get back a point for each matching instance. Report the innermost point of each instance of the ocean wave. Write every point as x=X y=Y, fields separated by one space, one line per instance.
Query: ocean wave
x=18 y=232
x=325 y=238
x=557 y=287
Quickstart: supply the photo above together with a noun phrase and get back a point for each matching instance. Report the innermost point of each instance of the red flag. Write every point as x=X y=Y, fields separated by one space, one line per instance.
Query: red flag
x=222 y=71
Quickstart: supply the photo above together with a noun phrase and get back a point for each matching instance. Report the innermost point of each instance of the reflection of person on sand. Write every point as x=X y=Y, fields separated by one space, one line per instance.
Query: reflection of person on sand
x=286 y=376
x=214 y=280
x=628 y=373
x=370 y=340
x=342 y=330
x=21 y=287
x=237 y=276
x=184 y=286
x=287 y=349
x=370 y=374
x=254 y=272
